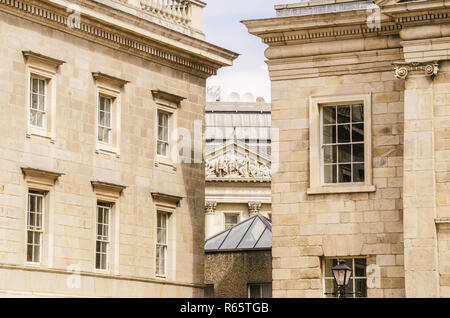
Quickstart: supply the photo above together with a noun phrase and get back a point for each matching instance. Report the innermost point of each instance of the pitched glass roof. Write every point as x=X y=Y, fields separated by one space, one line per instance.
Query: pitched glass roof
x=255 y=232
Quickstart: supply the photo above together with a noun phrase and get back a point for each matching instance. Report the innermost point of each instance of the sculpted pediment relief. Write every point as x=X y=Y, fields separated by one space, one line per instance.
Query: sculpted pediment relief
x=236 y=160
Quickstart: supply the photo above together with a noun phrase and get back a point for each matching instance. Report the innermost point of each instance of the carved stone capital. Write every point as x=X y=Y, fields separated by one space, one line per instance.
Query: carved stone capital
x=402 y=69
x=210 y=207
x=254 y=207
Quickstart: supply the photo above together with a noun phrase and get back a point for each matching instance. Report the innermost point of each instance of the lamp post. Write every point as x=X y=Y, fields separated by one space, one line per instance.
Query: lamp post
x=342 y=274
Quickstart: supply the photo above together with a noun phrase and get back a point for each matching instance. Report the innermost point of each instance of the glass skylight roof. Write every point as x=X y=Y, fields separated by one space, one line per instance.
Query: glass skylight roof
x=255 y=232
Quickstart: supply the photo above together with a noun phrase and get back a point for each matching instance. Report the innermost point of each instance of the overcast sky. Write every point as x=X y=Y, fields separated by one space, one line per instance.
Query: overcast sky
x=222 y=27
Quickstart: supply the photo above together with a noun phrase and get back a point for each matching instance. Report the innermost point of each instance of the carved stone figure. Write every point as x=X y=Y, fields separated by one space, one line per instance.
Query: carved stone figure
x=232 y=166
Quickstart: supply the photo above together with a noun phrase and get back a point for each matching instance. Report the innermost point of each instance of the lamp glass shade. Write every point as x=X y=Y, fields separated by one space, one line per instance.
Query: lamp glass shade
x=342 y=273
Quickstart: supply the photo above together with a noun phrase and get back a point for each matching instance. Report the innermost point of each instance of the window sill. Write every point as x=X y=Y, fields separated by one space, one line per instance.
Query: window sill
x=164 y=162
x=341 y=189
x=107 y=149
x=37 y=132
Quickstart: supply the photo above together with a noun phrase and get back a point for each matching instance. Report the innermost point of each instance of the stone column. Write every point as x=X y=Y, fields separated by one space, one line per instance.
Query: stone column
x=419 y=195
x=254 y=207
x=210 y=210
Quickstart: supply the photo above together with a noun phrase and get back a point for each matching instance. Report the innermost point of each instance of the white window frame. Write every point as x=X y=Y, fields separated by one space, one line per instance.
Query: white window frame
x=48 y=130
x=44 y=112
x=230 y=214
x=317 y=186
x=168 y=149
x=168 y=160
x=42 y=195
x=260 y=285
x=353 y=278
x=113 y=146
x=106 y=240
x=111 y=112
x=165 y=245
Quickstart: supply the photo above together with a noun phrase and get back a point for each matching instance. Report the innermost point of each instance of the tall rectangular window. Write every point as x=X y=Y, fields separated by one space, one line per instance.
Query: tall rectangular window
x=103 y=236
x=35 y=227
x=161 y=243
x=231 y=220
x=38 y=114
x=260 y=290
x=105 y=120
x=357 y=286
x=163 y=134
x=343 y=143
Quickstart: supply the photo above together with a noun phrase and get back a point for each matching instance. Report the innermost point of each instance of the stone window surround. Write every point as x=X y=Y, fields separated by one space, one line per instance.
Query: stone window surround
x=108 y=193
x=315 y=139
x=167 y=203
x=167 y=103
x=43 y=67
x=42 y=181
x=110 y=87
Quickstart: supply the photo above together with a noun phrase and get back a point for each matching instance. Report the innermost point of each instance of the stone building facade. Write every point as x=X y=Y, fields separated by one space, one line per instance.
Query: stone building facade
x=91 y=201
x=238 y=147
x=360 y=99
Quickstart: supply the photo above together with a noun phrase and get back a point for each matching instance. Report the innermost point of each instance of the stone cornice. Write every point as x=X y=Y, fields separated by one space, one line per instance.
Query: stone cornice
x=55 y=63
x=344 y=25
x=41 y=174
x=107 y=186
x=166 y=96
x=403 y=70
x=101 y=77
x=193 y=56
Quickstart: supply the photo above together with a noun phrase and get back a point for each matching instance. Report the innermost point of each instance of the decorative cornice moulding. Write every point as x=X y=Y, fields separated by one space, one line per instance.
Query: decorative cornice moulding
x=127 y=41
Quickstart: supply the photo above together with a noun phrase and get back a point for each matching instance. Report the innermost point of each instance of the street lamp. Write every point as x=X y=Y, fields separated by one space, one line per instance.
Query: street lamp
x=342 y=273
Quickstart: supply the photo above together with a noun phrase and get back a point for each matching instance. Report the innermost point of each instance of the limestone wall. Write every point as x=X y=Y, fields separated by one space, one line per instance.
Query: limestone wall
x=72 y=228
x=307 y=228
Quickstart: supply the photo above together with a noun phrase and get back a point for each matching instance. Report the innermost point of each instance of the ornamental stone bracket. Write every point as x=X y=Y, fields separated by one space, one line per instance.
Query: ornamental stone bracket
x=210 y=207
x=404 y=69
x=254 y=207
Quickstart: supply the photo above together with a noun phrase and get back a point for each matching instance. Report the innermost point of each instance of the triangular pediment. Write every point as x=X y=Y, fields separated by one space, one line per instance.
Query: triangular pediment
x=236 y=160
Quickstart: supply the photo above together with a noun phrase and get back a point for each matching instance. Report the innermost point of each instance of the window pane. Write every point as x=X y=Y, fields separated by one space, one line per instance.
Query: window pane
x=329 y=135
x=236 y=235
x=34 y=101
x=343 y=133
x=360 y=288
x=29 y=253
x=34 y=85
x=358 y=172
x=360 y=267
x=265 y=240
x=101 y=119
x=330 y=154
x=358 y=113
x=344 y=173
x=358 y=153
x=329 y=115
x=330 y=174
x=357 y=132
x=209 y=291
x=41 y=87
x=267 y=291
x=37 y=251
x=255 y=291
x=343 y=114
x=253 y=234
x=41 y=102
x=215 y=242
x=330 y=288
x=344 y=153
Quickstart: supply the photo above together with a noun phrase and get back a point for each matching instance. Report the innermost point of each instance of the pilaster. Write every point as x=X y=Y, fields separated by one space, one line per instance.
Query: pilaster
x=419 y=193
